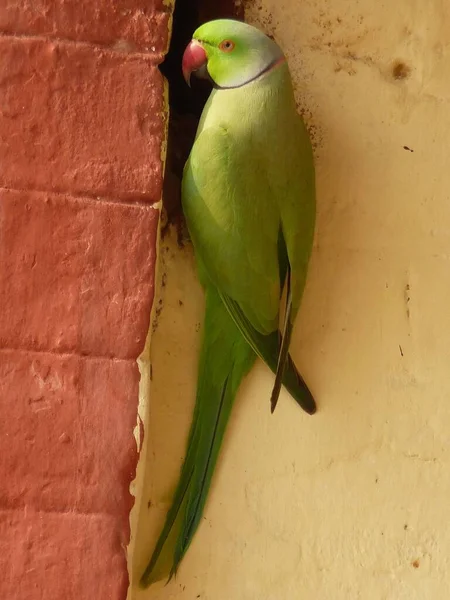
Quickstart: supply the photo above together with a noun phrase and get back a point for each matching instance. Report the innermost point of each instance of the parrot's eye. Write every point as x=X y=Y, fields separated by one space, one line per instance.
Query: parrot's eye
x=226 y=46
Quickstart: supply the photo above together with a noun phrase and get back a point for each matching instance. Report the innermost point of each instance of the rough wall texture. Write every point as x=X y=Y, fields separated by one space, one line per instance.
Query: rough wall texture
x=354 y=502
x=81 y=131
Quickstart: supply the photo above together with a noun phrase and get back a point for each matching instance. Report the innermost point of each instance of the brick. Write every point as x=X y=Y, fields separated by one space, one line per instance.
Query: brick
x=77 y=274
x=127 y=24
x=81 y=120
x=67 y=444
x=56 y=556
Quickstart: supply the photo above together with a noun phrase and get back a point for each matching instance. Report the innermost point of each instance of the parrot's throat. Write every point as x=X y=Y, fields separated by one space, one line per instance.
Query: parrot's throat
x=270 y=67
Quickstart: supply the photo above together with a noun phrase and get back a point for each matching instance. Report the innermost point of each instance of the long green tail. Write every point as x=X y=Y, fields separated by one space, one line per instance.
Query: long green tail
x=229 y=349
x=225 y=359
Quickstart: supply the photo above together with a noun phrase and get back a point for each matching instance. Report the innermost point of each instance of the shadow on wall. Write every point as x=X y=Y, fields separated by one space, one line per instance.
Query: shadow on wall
x=185 y=105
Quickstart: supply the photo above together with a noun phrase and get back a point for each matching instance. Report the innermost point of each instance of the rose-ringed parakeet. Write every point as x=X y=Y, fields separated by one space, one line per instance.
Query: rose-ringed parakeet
x=248 y=196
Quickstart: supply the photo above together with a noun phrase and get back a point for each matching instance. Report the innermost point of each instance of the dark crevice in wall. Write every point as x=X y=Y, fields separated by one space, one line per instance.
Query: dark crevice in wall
x=185 y=104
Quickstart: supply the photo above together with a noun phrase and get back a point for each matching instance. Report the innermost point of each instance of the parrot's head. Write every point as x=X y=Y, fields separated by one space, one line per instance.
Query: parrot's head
x=229 y=53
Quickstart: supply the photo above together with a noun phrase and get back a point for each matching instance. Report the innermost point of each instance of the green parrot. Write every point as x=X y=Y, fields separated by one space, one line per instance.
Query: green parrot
x=248 y=195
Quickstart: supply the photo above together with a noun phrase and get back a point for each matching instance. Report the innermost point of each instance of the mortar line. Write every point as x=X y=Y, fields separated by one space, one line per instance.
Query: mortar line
x=155 y=57
x=83 y=197
x=101 y=357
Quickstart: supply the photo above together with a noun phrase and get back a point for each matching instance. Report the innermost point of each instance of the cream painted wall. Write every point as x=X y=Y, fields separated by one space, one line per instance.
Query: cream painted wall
x=354 y=502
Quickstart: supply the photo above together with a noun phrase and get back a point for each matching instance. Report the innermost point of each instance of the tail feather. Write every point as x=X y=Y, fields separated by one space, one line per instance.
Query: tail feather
x=284 y=346
x=225 y=359
x=200 y=486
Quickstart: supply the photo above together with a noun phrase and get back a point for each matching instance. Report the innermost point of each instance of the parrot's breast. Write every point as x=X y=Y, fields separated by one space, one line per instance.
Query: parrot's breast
x=262 y=111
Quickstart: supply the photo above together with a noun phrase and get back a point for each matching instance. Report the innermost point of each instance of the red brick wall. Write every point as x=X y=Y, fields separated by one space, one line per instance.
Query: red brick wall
x=81 y=127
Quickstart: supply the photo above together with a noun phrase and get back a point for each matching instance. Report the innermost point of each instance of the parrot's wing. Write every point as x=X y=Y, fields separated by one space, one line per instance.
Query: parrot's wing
x=248 y=232
x=293 y=182
x=296 y=197
x=284 y=346
x=234 y=223
x=267 y=347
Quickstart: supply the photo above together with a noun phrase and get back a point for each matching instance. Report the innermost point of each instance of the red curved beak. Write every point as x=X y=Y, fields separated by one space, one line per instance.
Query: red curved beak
x=194 y=58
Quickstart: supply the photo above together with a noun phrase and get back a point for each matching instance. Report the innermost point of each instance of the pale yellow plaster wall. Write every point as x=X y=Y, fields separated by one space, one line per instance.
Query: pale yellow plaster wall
x=353 y=503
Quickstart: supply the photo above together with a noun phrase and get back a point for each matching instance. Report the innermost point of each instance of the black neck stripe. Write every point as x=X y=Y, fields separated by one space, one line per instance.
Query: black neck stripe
x=269 y=67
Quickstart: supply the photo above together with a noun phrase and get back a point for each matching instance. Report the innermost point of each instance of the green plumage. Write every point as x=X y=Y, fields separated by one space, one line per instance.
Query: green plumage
x=218 y=381
x=249 y=200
